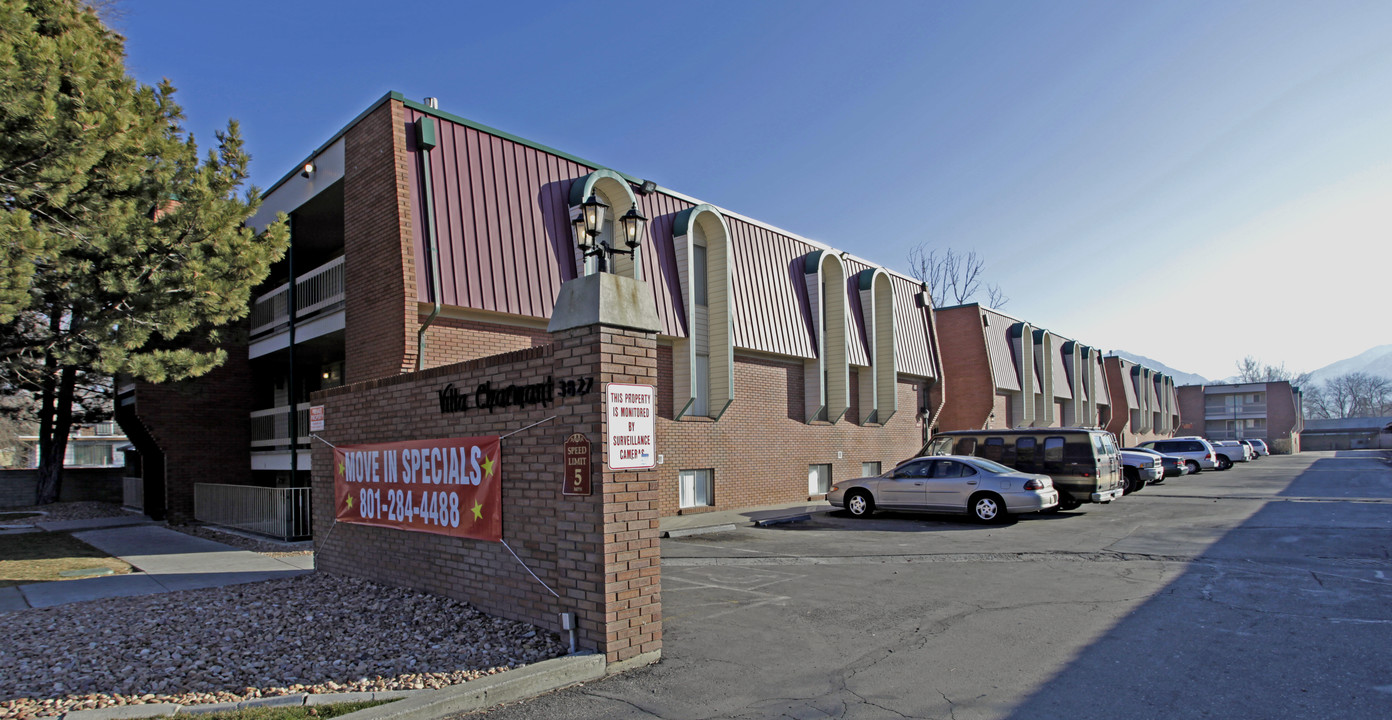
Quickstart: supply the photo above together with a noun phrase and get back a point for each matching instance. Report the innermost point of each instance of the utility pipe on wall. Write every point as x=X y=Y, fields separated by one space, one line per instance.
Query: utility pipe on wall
x=425 y=140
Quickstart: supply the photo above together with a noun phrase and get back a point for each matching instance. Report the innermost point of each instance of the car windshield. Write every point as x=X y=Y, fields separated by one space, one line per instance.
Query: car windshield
x=991 y=466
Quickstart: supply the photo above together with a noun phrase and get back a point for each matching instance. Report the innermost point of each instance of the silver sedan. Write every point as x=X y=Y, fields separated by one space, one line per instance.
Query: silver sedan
x=986 y=490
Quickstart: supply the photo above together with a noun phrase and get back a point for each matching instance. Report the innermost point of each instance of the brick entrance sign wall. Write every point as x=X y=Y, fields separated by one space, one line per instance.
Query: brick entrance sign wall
x=599 y=553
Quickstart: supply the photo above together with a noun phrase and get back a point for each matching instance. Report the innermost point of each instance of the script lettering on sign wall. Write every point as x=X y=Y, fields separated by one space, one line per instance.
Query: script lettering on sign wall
x=447 y=487
x=490 y=396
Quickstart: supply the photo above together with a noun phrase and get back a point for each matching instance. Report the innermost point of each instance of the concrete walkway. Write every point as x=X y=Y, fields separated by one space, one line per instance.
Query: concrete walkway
x=698 y=523
x=165 y=561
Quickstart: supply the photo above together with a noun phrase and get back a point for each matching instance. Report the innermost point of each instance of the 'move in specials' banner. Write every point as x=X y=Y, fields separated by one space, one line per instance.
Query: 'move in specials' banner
x=448 y=487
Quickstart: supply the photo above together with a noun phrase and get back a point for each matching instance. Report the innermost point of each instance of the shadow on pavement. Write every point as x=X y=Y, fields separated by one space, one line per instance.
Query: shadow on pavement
x=1286 y=615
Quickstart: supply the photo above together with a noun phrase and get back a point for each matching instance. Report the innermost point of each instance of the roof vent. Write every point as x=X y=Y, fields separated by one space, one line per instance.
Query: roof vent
x=433 y=103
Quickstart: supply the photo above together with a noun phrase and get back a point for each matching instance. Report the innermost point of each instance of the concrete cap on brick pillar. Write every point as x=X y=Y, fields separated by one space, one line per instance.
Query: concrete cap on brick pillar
x=604 y=299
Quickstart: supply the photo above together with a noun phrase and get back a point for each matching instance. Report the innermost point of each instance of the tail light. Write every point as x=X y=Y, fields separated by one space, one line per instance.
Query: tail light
x=1039 y=484
x=1208 y=456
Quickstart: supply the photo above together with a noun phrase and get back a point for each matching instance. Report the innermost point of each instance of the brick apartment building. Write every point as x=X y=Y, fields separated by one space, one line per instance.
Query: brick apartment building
x=1270 y=411
x=421 y=239
x=1145 y=404
x=1002 y=372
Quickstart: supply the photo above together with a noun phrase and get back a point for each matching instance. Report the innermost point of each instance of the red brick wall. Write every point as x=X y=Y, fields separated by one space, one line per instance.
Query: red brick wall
x=761 y=447
x=379 y=262
x=600 y=553
x=1191 y=410
x=449 y=340
x=202 y=427
x=966 y=371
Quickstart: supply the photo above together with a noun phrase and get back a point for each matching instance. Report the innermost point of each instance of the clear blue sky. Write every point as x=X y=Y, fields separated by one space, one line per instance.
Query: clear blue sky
x=1139 y=175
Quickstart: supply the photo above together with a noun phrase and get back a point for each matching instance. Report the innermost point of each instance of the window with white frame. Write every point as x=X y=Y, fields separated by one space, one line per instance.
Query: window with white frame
x=870 y=469
x=818 y=479
x=696 y=488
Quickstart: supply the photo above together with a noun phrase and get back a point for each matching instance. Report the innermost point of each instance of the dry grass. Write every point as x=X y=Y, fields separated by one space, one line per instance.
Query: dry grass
x=44 y=556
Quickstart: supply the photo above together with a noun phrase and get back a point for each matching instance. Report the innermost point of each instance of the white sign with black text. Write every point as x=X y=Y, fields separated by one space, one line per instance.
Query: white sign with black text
x=630 y=411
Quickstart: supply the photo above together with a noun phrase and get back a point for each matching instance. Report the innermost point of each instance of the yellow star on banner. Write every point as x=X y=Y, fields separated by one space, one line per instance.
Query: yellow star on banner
x=488 y=466
x=478 y=510
x=341 y=469
x=350 y=502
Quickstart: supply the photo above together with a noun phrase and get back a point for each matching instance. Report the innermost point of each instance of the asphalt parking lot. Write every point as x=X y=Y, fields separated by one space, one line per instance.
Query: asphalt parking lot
x=1260 y=592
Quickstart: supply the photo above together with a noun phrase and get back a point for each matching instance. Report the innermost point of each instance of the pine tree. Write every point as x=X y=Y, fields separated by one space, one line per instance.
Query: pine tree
x=124 y=253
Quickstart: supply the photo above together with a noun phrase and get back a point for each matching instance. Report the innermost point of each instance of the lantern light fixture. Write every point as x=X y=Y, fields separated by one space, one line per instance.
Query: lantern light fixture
x=633 y=224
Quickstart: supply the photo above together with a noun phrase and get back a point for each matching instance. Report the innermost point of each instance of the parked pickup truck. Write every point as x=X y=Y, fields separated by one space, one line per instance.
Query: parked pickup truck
x=1138 y=468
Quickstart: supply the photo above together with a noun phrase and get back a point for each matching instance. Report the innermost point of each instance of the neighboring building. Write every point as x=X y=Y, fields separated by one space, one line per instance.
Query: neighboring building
x=421 y=239
x=1270 y=411
x=1347 y=434
x=98 y=445
x=1002 y=372
x=1145 y=404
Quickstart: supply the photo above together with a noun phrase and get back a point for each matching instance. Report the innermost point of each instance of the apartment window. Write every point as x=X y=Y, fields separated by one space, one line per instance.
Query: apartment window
x=696 y=488
x=818 y=479
x=700 y=401
x=870 y=469
x=106 y=428
x=698 y=274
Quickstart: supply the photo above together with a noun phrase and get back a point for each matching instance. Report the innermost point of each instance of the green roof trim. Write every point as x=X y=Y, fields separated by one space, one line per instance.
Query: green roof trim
x=682 y=224
x=812 y=262
x=422 y=107
x=581 y=189
x=867 y=277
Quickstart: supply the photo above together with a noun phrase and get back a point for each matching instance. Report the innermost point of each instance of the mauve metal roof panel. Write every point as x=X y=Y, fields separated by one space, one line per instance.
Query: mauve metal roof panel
x=998 y=348
x=503 y=226
x=857 y=346
x=912 y=349
x=770 y=294
x=1062 y=388
x=1129 y=385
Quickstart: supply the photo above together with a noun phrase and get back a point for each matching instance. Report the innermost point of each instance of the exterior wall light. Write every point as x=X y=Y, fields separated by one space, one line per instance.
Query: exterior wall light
x=633 y=224
x=307 y=170
x=593 y=212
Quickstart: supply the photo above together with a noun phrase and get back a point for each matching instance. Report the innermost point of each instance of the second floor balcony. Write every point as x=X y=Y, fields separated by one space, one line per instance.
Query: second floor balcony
x=316 y=292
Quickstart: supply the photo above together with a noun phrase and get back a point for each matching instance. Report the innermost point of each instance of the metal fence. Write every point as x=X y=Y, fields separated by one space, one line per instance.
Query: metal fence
x=276 y=512
x=133 y=492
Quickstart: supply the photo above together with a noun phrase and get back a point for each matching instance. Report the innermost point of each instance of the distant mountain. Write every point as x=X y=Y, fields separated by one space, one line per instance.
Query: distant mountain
x=1377 y=361
x=1180 y=378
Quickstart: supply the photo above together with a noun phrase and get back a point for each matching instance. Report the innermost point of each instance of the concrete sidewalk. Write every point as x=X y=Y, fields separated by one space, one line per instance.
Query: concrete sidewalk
x=719 y=520
x=166 y=561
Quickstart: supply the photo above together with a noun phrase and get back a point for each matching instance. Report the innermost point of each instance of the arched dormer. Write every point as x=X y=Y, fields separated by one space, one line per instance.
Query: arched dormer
x=1044 y=364
x=878 y=397
x=703 y=362
x=827 y=378
x=1022 y=346
x=614 y=190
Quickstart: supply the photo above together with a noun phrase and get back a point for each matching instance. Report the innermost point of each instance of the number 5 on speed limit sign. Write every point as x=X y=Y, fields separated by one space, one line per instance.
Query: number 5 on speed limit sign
x=577 y=466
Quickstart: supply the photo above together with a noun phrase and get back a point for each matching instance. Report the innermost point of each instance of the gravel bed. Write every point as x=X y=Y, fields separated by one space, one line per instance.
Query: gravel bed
x=243 y=542
x=314 y=633
x=86 y=510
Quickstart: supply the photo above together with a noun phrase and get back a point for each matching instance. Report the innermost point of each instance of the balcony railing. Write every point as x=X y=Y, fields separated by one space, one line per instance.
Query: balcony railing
x=1217 y=411
x=271 y=427
x=275 y=512
x=133 y=492
x=317 y=289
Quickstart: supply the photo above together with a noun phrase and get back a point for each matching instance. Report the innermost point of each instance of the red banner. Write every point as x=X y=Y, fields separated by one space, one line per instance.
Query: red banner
x=448 y=487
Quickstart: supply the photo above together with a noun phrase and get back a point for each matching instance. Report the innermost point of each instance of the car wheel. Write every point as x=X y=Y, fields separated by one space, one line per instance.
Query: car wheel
x=860 y=504
x=1193 y=467
x=1223 y=462
x=1066 y=502
x=1131 y=481
x=987 y=507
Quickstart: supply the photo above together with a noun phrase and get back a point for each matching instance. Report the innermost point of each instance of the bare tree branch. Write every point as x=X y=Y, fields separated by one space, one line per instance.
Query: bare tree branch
x=952 y=277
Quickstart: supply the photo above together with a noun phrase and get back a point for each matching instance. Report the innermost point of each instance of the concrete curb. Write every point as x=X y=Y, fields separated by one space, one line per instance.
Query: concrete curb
x=685 y=532
x=783 y=520
x=485 y=692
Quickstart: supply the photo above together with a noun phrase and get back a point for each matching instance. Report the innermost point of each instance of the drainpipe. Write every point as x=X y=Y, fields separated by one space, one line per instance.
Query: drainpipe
x=425 y=140
x=930 y=420
x=291 y=386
